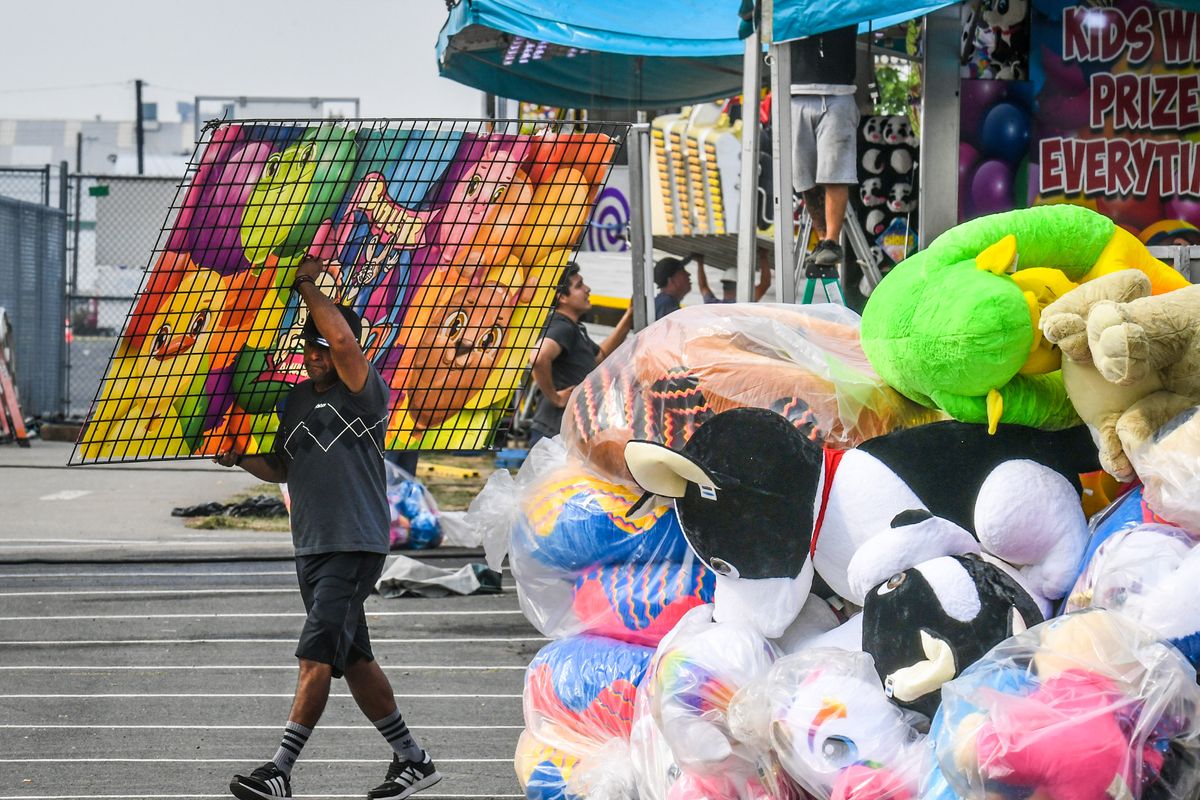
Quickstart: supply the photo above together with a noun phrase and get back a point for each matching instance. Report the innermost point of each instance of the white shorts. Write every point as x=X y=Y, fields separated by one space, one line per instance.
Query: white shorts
x=825 y=130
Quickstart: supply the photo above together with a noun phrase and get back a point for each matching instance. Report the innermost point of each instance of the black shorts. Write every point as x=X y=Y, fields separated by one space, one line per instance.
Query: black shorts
x=334 y=587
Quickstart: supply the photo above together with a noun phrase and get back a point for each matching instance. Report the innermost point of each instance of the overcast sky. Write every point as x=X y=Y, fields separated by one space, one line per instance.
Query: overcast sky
x=75 y=59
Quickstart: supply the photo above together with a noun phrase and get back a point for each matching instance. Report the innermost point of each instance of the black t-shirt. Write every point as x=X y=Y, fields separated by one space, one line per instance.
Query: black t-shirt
x=577 y=359
x=826 y=59
x=332 y=443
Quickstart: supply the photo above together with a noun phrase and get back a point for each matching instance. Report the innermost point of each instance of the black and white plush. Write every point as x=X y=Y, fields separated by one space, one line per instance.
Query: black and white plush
x=873 y=161
x=876 y=222
x=871 y=193
x=926 y=621
x=873 y=129
x=753 y=493
x=900 y=198
x=740 y=460
x=898 y=130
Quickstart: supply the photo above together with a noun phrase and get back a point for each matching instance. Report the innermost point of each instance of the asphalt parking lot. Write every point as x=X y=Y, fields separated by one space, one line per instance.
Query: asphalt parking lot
x=140 y=659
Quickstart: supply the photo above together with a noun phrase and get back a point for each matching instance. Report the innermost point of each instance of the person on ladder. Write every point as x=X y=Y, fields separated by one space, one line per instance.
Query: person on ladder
x=825 y=127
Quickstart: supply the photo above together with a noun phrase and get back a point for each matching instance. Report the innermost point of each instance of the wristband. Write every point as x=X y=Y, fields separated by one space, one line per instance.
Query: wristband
x=302 y=279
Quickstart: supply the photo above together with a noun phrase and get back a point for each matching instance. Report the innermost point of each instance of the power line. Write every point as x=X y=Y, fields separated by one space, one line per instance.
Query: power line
x=67 y=88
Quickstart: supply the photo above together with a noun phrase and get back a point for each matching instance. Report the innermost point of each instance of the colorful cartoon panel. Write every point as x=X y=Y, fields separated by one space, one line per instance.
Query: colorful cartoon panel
x=447 y=239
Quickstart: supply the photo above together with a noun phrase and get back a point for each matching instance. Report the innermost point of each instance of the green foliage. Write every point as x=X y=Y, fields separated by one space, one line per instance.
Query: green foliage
x=893 y=86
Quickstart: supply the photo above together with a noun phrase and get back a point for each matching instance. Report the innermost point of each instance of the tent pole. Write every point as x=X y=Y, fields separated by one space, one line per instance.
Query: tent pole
x=938 y=196
x=781 y=159
x=747 y=234
x=640 y=235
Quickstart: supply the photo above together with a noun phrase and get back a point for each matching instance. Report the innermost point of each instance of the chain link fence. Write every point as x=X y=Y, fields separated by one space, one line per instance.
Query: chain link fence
x=32 y=247
x=114 y=226
x=27 y=184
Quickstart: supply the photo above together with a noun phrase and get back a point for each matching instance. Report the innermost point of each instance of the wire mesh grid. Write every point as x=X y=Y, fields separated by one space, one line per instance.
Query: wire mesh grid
x=445 y=237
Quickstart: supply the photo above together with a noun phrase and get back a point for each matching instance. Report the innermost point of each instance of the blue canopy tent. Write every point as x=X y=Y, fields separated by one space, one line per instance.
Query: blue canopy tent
x=619 y=54
x=626 y=53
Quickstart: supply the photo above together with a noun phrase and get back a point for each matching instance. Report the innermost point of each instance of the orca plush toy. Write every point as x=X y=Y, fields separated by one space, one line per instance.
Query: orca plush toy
x=763 y=506
x=925 y=623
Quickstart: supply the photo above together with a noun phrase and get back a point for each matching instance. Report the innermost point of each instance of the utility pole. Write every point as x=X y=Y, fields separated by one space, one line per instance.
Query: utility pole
x=141 y=132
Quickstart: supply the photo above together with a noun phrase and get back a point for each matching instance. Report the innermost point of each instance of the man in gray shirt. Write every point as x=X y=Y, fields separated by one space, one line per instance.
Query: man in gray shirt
x=329 y=450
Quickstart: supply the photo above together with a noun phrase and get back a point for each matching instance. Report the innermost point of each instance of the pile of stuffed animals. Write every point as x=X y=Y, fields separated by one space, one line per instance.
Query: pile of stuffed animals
x=944 y=551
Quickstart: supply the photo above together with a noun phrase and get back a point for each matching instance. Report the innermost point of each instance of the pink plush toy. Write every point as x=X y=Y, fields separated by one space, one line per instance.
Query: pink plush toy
x=1090 y=706
x=1069 y=739
x=870 y=782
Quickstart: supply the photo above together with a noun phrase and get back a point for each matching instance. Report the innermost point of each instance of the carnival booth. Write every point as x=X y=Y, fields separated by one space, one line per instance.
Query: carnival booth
x=946 y=548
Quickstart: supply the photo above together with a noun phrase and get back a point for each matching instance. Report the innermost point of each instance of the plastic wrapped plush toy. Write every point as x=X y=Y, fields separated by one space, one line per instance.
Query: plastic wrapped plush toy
x=1150 y=573
x=833 y=729
x=543 y=771
x=659 y=777
x=696 y=671
x=640 y=603
x=804 y=362
x=579 y=692
x=574 y=520
x=582 y=565
x=415 y=519
x=1083 y=707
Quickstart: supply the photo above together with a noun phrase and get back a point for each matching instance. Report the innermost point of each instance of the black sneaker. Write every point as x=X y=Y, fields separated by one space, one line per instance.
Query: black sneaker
x=405 y=778
x=824 y=260
x=265 y=782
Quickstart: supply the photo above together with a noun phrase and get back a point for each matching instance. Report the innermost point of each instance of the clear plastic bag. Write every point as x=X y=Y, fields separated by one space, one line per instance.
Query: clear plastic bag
x=542 y=770
x=580 y=564
x=697 y=669
x=1089 y=705
x=579 y=692
x=1150 y=573
x=1167 y=464
x=830 y=724
x=416 y=523
x=495 y=510
x=804 y=362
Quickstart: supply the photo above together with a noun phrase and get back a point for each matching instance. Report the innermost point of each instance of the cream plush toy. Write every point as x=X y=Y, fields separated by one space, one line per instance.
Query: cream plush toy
x=1132 y=360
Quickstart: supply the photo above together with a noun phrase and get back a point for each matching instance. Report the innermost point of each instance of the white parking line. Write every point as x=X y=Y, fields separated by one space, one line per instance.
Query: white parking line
x=225 y=795
x=231 y=761
x=146 y=592
x=62 y=544
x=67 y=494
x=177 y=574
x=290 y=640
x=195 y=695
x=155 y=592
x=64 y=617
x=288 y=667
x=372 y=729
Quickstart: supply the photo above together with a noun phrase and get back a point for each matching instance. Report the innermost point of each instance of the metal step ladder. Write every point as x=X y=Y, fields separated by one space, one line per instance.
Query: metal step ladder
x=816 y=290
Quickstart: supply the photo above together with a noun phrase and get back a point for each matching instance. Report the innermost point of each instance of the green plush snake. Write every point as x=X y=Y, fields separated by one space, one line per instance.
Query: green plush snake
x=954 y=327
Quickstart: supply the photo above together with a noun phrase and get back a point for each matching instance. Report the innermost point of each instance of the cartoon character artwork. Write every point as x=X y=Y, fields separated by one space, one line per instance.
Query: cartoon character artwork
x=995 y=39
x=447 y=239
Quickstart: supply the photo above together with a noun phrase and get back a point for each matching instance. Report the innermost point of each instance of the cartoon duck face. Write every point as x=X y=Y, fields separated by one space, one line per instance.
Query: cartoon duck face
x=136 y=416
x=456 y=353
x=177 y=344
x=298 y=188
